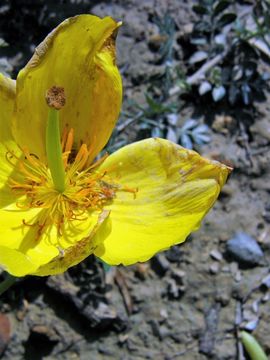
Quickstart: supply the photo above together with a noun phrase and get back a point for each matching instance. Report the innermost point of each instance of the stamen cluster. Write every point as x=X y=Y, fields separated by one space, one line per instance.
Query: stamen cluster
x=86 y=189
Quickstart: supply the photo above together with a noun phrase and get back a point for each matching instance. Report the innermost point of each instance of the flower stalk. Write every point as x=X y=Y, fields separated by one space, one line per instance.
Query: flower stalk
x=252 y=347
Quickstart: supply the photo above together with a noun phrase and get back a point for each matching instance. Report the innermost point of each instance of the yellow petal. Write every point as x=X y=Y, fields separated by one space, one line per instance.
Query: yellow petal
x=75 y=253
x=7 y=99
x=23 y=239
x=15 y=262
x=176 y=188
x=49 y=253
x=78 y=55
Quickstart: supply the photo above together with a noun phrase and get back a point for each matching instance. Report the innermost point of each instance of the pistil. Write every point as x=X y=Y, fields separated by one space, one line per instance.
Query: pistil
x=56 y=100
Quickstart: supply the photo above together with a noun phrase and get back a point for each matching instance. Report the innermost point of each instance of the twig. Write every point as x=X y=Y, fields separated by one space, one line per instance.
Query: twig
x=238 y=320
x=123 y=287
x=260 y=151
x=199 y=74
x=244 y=138
x=121 y=127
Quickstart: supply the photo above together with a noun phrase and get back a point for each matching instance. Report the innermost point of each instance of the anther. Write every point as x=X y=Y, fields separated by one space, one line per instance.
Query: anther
x=55 y=97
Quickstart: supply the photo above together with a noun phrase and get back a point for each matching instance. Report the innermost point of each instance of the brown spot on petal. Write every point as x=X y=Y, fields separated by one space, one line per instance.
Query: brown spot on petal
x=55 y=97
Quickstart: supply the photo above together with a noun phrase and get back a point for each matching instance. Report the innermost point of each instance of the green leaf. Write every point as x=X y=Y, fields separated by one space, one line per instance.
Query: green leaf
x=205 y=87
x=199 y=9
x=198 y=56
x=186 y=141
x=233 y=94
x=155 y=106
x=226 y=19
x=221 y=6
x=3 y=43
x=218 y=93
x=246 y=93
x=198 y=41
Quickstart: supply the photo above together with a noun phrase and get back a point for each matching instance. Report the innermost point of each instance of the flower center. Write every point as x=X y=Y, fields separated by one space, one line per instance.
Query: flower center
x=67 y=188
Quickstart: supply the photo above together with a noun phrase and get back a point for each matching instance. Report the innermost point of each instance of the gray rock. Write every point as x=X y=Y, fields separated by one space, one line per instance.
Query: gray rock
x=266 y=281
x=244 y=249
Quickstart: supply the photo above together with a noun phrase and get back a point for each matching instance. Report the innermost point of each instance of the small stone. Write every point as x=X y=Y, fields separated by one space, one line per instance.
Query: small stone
x=142 y=270
x=266 y=281
x=214 y=268
x=160 y=264
x=179 y=276
x=251 y=325
x=105 y=350
x=123 y=338
x=174 y=254
x=238 y=276
x=244 y=249
x=225 y=269
x=262 y=128
x=255 y=306
x=227 y=191
x=266 y=216
x=216 y=255
x=234 y=267
x=223 y=298
x=49 y=333
x=164 y=314
x=223 y=237
x=175 y=291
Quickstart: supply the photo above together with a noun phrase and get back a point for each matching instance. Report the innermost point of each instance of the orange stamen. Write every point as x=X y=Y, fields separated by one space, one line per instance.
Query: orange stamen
x=87 y=189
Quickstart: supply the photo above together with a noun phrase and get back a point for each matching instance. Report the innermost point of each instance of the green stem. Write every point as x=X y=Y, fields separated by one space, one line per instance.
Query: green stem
x=252 y=347
x=54 y=150
x=7 y=283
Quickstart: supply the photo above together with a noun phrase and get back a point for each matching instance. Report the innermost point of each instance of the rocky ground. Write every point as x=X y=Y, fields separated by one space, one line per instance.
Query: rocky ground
x=187 y=303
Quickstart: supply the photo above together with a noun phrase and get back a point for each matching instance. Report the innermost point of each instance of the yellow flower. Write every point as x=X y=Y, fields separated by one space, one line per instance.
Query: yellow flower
x=57 y=204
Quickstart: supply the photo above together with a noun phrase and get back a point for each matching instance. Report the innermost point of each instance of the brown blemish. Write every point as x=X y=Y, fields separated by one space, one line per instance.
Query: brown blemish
x=109 y=45
x=55 y=97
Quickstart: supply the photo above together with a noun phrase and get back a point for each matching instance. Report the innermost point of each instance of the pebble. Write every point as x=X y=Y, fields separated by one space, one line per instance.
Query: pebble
x=234 y=267
x=223 y=298
x=160 y=264
x=214 y=268
x=225 y=269
x=238 y=276
x=164 y=314
x=174 y=254
x=223 y=237
x=216 y=255
x=179 y=276
x=262 y=128
x=244 y=249
x=265 y=298
x=266 y=281
x=251 y=325
x=174 y=290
